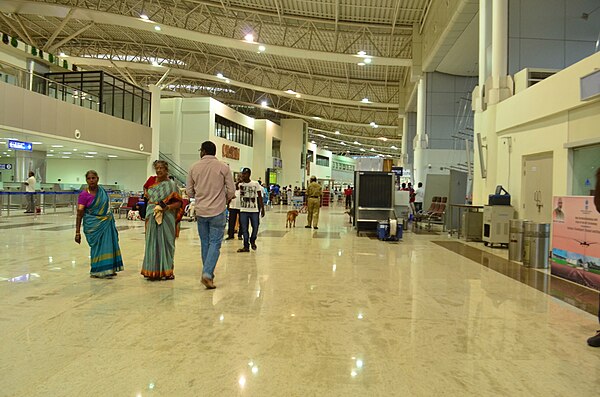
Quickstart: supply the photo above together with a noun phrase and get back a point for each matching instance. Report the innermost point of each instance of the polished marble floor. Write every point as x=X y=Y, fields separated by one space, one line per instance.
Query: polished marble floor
x=310 y=313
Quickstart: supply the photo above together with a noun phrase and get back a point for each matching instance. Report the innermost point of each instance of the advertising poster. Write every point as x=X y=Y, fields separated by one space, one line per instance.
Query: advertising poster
x=576 y=240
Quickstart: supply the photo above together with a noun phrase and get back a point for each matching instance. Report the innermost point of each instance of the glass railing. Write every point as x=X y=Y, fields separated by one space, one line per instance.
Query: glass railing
x=175 y=170
x=24 y=78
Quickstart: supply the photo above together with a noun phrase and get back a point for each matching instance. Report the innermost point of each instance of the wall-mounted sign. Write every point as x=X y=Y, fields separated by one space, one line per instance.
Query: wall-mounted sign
x=231 y=152
x=277 y=162
x=18 y=145
x=6 y=166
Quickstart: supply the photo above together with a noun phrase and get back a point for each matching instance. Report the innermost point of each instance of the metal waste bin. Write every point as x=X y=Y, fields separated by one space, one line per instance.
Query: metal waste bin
x=515 y=242
x=536 y=245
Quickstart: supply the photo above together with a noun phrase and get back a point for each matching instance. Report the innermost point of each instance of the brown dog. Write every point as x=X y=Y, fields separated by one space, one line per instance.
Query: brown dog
x=291 y=218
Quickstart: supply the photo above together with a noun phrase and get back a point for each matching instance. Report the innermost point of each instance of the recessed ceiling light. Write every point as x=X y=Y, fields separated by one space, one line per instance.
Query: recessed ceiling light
x=49 y=155
x=262 y=48
x=249 y=38
x=145 y=17
x=372 y=149
x=316 y=118
x=343 y=143
x=112 y=156
x=220 y=75
x=337 y=133
x=51 y=150
x=36 y=143
x=372 y=123
x=91 y=152
x=362 y=150
x=365 y=100
x=74 y=150
x=290 y=91
x=368 y=60
x=376 y=126
x=264 y=104
x=361 y=64
x=393 y=147
x=89 y=157
x=56 y=145
x=357 y=143
x=362 y=53
x=157 y=28
x=67 y=153
x=65 y=157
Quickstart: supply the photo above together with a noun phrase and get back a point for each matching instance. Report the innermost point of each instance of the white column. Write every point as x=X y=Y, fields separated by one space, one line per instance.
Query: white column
x=483 y=40
x=404 y=148
x=499 y=90
x=155 y=125
x=420 y=143
x=499 y=38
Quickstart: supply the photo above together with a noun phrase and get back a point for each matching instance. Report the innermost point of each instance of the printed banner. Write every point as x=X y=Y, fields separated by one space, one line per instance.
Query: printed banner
x=576 y=240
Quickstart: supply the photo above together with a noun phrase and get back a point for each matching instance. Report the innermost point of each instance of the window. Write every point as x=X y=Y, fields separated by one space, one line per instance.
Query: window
x=342 y=167
x=309 y=156
x=323 y=160
x=234 y=132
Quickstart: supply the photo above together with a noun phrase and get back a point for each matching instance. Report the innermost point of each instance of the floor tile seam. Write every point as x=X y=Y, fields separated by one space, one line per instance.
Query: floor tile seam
x=522 y=283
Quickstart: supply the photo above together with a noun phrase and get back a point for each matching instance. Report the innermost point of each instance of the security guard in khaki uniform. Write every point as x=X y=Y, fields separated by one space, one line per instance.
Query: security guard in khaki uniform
x=313 y=194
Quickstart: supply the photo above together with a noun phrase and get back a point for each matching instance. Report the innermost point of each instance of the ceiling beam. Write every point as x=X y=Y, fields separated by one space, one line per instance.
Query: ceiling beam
x=59 y=29
x=99 y=17
x=205 y=76
x=70 y=37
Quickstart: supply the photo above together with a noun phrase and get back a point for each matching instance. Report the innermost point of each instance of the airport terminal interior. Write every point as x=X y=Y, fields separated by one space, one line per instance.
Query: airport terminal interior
x=483 y=281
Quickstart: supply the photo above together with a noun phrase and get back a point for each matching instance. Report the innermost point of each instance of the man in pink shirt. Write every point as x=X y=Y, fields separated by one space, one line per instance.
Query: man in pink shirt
x=210 y=182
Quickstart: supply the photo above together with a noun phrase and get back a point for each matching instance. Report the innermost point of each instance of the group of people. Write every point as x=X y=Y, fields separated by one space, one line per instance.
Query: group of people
x=209 y=181
x=415 y=197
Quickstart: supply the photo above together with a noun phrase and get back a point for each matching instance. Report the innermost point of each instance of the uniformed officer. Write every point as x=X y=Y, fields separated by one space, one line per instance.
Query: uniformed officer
x=313 y=194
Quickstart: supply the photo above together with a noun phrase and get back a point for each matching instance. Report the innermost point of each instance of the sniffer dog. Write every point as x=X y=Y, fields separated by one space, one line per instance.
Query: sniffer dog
x=291 y=218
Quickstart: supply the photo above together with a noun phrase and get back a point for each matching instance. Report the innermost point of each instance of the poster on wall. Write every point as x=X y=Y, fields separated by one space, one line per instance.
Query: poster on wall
x=576 y=240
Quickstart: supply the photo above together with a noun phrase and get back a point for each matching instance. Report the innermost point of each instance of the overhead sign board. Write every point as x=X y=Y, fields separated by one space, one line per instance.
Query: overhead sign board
x=18 y=145
x=6 y=166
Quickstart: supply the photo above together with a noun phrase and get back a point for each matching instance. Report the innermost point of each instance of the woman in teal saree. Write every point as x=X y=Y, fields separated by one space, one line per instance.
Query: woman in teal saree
x=93 y=207
x=163 y=213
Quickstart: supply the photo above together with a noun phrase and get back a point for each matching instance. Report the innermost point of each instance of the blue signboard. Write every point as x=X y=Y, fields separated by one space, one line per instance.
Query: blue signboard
x=6 y=166
x=18 y=145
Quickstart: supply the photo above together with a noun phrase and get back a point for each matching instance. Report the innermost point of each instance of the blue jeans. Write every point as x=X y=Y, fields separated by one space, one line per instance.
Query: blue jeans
x=245 y=219
x=211 y=230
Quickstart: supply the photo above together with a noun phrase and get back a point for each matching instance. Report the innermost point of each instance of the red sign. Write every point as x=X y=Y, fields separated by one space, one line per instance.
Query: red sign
x=231 y=152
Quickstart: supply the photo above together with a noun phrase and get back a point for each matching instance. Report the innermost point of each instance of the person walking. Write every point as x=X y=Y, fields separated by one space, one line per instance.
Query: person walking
x=210 y=182
x=419 y=197
x=164 y=212
x=348 y=194
x=93 y=207
x=30 y=190
x=234 y=213
x=313 y=194
x=251 y=203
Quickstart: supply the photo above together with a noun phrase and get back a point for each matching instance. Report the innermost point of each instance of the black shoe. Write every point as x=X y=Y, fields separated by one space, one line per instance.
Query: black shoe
x=245 y=249
x=253 y=246
x=240 y=238
x=594 y=341
x=315 y=228
x=229 y=238
x=307 y=227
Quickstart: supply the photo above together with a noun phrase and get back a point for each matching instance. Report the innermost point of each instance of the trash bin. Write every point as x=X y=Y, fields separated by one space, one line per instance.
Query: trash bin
x=536 y=245
x=515 y=242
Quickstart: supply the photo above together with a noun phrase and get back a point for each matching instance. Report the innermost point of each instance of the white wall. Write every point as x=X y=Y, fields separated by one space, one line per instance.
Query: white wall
x=129 y=174
x=264 y=133
x=542 y=118
x=73 y=170
x=294 y=135
x=320 y=171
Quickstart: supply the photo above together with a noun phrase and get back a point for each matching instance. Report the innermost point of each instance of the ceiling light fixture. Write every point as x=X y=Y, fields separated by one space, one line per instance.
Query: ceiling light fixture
x=362 y=150
x=393 y=147
x=361 y=64
x=154 y=63
x=262 y=48
x=264 y=104
x=337 y=133
x=368 y=60
x=382 y=138
x=145 y=17
x=89 y=157
x=249 y=38
x=227 y=81
x=220 y=75
x=62 y=54
x=112 y=156
x=91 y=152
x=357 y=143
x=313 y=142
x=157 y=28
x=34 y=143
x=365 y=100
x=362 y=53
x=316 y=118
x=57 y=145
